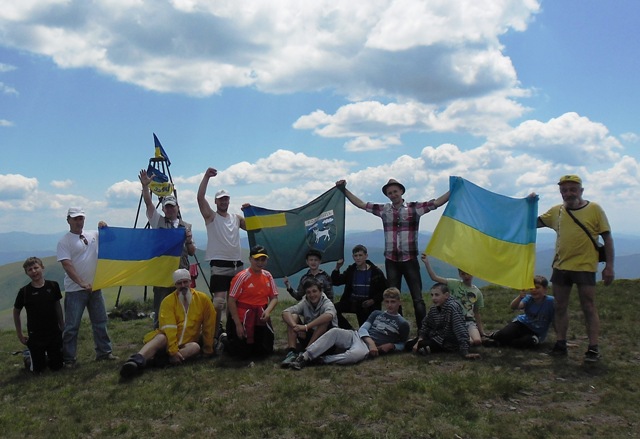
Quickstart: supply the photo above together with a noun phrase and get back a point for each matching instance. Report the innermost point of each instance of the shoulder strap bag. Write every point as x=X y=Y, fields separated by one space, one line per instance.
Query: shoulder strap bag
x=602 y=256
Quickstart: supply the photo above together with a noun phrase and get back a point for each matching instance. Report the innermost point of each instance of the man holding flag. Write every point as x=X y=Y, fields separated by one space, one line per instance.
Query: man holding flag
x=170 y=220
x=401 y=222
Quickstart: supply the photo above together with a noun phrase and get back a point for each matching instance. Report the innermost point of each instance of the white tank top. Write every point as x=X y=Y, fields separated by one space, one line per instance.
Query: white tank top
x=223 y=238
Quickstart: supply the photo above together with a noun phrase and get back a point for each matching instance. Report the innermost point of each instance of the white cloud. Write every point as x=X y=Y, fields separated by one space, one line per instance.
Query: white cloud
x=370 y=119
x=5 y=89
x=5 y=123
x=569 y=140
x=630 y=137
x=123 y=194
x=6 y=67
x=381 y=47
x=366 y=143
x=62 y=184
x=16 y=186
x=280 y=167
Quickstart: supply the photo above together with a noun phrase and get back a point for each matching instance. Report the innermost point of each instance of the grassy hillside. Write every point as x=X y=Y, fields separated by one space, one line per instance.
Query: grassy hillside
x=506 y=394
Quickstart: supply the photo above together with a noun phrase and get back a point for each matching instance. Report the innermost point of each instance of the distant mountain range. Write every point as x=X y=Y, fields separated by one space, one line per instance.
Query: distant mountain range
x=17 y=246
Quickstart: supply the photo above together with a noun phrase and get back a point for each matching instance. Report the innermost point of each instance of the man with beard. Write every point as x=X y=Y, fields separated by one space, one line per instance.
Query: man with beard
x=187 y=324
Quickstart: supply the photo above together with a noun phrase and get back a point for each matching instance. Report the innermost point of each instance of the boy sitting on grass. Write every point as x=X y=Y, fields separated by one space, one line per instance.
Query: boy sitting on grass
x=308 y=319
x=443 y=329
x=383 y=332
x=530 y=328
x=41 y=298
x=468 y=296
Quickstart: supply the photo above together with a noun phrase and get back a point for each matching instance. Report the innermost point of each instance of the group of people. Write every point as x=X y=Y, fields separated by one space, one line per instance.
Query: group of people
x=189 y=323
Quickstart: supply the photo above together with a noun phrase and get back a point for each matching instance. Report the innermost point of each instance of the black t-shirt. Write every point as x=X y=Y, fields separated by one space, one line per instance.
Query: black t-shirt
x=40 y=304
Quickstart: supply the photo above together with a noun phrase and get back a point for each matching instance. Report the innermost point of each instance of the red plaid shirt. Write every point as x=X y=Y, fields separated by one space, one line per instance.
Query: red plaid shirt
x=401 y=227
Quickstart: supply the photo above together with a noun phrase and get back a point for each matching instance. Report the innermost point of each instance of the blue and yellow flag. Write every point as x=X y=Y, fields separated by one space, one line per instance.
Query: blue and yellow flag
x=160 y=152
x=488 y=235
x=137 y=256
x=289 y=234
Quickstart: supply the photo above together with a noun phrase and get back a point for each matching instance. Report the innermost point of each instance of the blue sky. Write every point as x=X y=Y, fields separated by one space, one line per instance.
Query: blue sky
x=286 y=97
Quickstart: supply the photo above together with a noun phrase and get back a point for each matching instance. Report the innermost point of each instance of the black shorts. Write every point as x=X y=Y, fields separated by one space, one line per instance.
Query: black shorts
x=567 y=278
x=219 y=283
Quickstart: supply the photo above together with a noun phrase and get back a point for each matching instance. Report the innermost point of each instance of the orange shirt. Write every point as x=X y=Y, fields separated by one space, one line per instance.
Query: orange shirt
x=255 y=289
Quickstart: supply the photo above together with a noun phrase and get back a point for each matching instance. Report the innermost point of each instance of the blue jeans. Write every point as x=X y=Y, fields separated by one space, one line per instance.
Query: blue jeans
x=75 y=303
x=411 y=271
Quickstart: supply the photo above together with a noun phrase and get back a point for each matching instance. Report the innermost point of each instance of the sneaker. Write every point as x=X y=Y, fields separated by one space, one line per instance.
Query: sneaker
x=69 y=364
x=558 y=351
x=107 y=357
x=592 y=356
x=535 y=340
x=299 y=362
x=290 y=358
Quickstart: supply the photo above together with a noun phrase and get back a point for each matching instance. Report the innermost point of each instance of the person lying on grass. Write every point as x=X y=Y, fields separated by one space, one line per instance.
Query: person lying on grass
x=383 y=332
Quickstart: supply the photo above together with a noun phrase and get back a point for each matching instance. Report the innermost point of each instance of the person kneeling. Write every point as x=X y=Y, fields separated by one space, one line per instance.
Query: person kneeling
x=308 y=319
x=383 y=332
x=186 y=328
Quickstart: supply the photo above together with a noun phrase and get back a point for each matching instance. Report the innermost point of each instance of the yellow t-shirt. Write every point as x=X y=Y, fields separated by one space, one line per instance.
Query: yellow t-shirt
x=574 y=249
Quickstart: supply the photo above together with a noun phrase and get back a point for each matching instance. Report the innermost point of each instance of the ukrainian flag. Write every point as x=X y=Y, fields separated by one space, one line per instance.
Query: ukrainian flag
x=487 y=235
x=137 y=256
x=160 y=152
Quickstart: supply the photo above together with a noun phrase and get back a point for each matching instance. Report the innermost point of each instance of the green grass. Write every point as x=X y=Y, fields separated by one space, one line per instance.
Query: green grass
x=506 y=394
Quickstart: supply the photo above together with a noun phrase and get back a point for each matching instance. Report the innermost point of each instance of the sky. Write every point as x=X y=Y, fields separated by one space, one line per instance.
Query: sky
x=285 y=97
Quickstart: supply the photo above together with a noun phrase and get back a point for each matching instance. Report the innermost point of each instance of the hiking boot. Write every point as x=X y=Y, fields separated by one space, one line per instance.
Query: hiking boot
x=299 y=362
x=133 y=366
x=106 y=357
x=592 y=356
x=129 y=369
x=290 y=358
x=558 y=351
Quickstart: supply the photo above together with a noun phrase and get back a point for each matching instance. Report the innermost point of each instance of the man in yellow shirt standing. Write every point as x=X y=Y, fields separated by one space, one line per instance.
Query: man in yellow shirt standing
x=576 y=260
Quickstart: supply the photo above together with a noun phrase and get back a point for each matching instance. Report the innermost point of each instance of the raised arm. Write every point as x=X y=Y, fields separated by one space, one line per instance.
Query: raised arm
x=432 y=274
x=350 y=196
x=145 y=180
x=441 y=199
x=205 y=209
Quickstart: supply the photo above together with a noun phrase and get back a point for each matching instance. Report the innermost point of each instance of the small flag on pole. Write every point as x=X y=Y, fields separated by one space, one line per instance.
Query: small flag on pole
x=160 y=152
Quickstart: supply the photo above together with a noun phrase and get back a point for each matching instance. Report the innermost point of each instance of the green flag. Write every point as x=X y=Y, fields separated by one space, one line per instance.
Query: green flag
x=289 y=234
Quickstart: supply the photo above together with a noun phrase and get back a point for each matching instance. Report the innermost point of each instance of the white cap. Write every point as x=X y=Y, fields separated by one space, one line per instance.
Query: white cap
x=181 y=274
x=222 y=193
x=75 y=211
